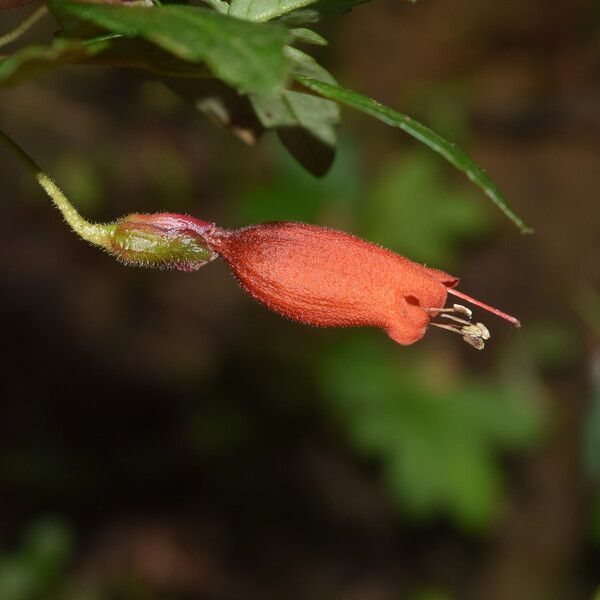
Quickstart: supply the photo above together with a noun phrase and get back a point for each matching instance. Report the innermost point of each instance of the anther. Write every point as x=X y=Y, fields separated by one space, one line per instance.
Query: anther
x=459 y=308
x=476 y=342
x=473 y=333
x=478 y=330
x=456 y=308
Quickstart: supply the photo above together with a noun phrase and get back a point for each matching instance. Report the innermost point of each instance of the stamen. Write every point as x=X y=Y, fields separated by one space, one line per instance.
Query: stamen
x=484 y=332
x=447 y=327
x=446 y=316
x=456 y=308
x=487 y=307
x=459 y=308
x=476 y=342
x=473 y=334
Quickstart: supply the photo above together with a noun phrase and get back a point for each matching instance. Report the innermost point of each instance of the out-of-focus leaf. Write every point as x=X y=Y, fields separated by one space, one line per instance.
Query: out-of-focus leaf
x=553 y=345
x=293 y=109
x=35 y=570
x=47 y=547
x=36 y=60
x=449 y=151
x=248 y=56
x=301 y=11
x=305 y=123
x=414 y=211
x=592 y=432
x=437 y=442
x=293 y=11
x=308 y=36
x=304 y=65
x=306 y=128
x=221 y=104
x=219 y=5
x=311 y=152
x=317 y=10
x=80 y=178
x=591 y=443
x=264 y=10
x=139 y=54
x=130 y=53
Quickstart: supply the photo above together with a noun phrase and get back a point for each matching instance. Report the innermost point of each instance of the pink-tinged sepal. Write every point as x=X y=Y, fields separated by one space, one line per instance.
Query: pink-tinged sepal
x=162 y=240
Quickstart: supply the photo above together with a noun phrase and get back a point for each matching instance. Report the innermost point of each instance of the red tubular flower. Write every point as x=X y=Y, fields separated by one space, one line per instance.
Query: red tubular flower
x=311 y=274
x=328 y=278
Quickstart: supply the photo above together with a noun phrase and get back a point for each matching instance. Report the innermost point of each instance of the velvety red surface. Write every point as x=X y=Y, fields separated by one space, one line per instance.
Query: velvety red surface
x=325 y=277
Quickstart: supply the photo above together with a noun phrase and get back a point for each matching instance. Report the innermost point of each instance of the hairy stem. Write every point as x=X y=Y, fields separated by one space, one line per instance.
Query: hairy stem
x=96 y=234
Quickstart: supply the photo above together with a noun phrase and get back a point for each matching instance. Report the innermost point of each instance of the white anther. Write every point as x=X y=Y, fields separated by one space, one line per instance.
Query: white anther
x=459 y=308
x=476 y=342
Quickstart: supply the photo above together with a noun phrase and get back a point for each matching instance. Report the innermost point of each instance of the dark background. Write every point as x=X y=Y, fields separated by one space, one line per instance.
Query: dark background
x=162 y=436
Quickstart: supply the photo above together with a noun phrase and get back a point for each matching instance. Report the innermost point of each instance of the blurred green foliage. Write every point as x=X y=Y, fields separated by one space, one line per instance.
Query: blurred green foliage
x=414 y=211
x=590 y=310
x=35 y=570
x=81 y=178
x=436 y=436
x=553 y=345
x=290 y=194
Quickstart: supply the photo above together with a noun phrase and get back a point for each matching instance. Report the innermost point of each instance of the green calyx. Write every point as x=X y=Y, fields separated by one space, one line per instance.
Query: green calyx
x=140 y=243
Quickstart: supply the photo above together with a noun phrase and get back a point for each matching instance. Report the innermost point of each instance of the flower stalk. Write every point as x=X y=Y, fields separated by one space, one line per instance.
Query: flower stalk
x=95 y=234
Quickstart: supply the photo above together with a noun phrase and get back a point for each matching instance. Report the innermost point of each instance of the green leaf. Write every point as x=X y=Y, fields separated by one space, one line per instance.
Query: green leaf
x=35 y=60
x=308 y=36
x=306 y=126
x=248 y=56
x=293 y=109
x=131 y=53
x=219 y=5
x=313 y=12
x=264 y=10
x=449 y=151
x=305 y=123
x=297 y=11
x=137 y=53
x=221 y=104
x=304 y=65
